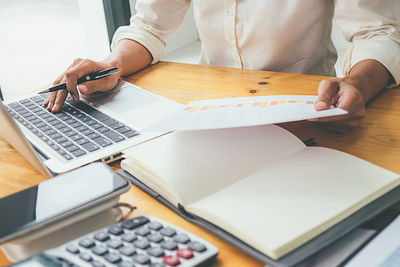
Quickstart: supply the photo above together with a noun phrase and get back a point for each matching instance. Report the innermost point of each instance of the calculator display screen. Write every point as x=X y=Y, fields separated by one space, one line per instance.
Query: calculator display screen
x=57 y=196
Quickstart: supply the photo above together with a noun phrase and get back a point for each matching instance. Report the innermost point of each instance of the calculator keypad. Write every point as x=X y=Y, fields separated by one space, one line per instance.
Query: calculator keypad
x=141 y=241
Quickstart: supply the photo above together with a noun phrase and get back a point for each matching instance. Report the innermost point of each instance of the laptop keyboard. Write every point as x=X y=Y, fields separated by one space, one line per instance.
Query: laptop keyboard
x=76 y=130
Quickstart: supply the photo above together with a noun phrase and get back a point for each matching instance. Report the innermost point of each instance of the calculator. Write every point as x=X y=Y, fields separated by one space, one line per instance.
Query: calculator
x=139 y=241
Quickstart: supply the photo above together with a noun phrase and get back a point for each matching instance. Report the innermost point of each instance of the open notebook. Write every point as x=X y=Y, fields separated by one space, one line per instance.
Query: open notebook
x=261 y=184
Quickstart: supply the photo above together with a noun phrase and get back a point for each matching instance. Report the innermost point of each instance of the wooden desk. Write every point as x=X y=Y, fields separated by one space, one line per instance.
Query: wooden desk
x=376 y=140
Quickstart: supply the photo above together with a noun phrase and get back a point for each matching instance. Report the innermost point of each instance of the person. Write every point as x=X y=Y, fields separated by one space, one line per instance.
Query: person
x=277 y=35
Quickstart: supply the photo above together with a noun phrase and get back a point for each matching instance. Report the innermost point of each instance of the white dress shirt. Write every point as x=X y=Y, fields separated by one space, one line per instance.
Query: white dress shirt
x=278 y=35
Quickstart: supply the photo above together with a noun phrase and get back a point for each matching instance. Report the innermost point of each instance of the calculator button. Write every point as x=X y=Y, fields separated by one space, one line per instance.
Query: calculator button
x=171 y=260
x=156 y=237
x=115 y=230
x=115 y=243
x=182 y=238
x=155 y=251
x=86 y=243
x=168 y=232
x=129 y=237
x=99 y=250
x=112 y=258
x=101 y=236
x=72 y=249
x=133 y=223
x=127 y=250
x=142 y=243
x=184 y=253
x=197 y=246
x=85 y=257
x=141 y=258
x=97 y=264
x=154 y=226
x=126 y=264
x=142 y=231
x=171 y=245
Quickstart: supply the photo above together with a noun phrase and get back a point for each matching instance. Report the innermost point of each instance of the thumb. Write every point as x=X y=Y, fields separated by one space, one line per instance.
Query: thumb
x=327 y=94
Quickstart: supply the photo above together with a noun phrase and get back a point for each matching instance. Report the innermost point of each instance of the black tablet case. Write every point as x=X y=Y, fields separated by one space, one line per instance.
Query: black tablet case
x=298 y=255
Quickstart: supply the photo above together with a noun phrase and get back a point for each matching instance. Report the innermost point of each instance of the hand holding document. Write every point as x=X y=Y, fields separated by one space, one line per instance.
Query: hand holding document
x=241 y=112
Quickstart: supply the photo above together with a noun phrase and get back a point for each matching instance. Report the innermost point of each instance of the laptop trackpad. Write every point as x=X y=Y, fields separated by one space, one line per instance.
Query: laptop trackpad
x=132 y=104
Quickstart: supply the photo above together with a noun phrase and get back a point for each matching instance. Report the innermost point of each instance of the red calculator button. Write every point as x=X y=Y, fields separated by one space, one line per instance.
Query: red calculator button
x=171 y=260
x=184 y=253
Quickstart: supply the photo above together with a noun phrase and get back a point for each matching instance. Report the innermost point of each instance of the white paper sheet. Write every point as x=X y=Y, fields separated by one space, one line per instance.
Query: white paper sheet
x=242 y=111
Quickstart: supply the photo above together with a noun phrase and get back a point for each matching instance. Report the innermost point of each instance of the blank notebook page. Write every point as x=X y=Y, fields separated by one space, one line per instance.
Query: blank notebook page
x=288 y=203
x=198 y=163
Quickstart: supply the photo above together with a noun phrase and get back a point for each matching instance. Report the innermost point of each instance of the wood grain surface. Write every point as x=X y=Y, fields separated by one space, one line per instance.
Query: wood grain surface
x=377 y=139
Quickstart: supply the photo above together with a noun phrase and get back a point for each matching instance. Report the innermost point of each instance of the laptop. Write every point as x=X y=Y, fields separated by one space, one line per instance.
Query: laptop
x=98 y=127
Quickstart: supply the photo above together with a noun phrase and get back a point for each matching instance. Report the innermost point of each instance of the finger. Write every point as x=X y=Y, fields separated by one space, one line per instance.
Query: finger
x=61 y=77
x=327 y=94
x=103 y=85
x=49 y=102
x=61 y=96
x=84 y=67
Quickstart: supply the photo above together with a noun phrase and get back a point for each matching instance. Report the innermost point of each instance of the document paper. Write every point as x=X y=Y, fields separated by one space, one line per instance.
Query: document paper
x=241 y=112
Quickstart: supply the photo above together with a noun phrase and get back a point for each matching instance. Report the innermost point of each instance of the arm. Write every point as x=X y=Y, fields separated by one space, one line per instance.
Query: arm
x=133 y=48
x=370 y=65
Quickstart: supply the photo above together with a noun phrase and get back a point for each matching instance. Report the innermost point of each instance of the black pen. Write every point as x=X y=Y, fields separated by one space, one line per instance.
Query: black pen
x=88 y=77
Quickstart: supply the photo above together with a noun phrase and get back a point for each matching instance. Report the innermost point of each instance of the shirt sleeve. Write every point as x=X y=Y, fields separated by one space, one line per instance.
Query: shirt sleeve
x=153 y=21
x=374 y=32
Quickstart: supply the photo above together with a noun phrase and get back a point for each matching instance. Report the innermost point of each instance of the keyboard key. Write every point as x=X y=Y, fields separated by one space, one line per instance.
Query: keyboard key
x=171 y=260
x=117 y=125
x=154 y=226
x=109 y=122
x=129 y=237
x=101 y=236
x=99 y=250
x=168 y=232
x=142 y=231
x=115 y=230
x=65 y=144
x=85 y=257
x=114 y=243
x=114 y=136
x=81 y=141
x=197 y=246
x=169 y=244
x=184 y=253
x=182 y=238
x=86 y=243
x=93 y=136
x=102 y=141
x=90 y=147
x=155 y=251
x=126 y=264
x=97 y=264
x=112 y=258
x=127 y=250
x=72 y=148
x=134 y=223
x=91 y=111
x=102 y=129
x=72 y=249
x=87 y=132
x=81 y=128
x=142 y=243
x=130 y=134
x=141 y=259
x=78 y=153
x=156 y=237
x=66 y=156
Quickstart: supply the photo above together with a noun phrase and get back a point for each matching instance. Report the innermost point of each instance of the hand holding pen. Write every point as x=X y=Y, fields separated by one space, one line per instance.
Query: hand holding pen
x=85 y=76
